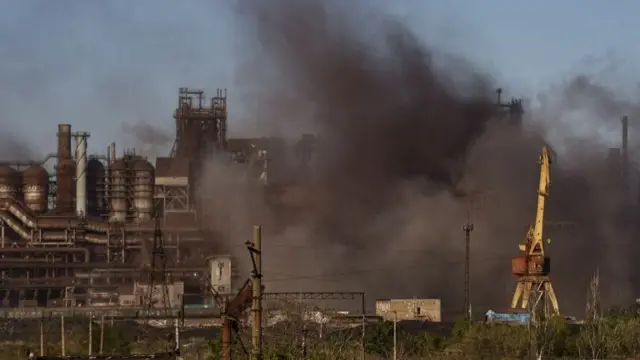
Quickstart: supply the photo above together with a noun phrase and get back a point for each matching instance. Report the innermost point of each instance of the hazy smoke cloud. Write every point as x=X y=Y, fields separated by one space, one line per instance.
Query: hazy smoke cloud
x=149 y=140
x=406 y=136
x=14 y=148
x=409 y=144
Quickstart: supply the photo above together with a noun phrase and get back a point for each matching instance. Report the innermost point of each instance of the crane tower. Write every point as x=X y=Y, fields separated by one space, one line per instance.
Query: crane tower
x=534 y=288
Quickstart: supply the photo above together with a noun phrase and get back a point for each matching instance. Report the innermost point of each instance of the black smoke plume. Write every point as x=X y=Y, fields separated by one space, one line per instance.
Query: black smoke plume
x=409 y=144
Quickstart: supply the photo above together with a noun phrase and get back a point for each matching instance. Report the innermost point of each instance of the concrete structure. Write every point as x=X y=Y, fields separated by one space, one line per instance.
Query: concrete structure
x=409 y=309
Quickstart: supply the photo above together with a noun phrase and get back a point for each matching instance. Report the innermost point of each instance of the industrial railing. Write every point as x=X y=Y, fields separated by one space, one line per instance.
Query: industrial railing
x=116 y=313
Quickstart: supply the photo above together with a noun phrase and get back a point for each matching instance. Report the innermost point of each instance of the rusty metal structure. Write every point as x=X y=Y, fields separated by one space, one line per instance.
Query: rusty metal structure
x=83 y=234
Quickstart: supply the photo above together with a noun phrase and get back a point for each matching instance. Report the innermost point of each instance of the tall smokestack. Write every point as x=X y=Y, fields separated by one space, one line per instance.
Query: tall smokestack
x=625 y=155
x=81 y=173
x=65 y=170
x=64 y=142
x=112 y=153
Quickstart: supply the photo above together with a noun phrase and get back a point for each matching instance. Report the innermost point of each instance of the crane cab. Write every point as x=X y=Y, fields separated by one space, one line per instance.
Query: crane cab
x=537 y=265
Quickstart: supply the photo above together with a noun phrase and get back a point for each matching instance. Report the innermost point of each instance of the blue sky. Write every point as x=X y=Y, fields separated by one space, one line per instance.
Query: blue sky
x=99 y=64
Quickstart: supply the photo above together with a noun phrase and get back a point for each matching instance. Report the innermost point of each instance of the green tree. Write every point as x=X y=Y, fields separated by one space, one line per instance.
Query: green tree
x=593 y=338
x=379 y=339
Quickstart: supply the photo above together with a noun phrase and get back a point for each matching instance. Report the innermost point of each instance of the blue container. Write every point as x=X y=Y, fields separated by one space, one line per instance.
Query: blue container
x=519 y=318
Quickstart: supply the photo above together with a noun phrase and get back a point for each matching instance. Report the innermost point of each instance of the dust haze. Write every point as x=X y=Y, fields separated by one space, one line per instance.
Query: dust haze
x=408 y=146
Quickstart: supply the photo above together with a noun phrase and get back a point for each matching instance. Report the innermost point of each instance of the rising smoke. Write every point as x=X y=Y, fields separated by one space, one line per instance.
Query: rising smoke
x=15 y=148
x=406 y=132
x=149 y=140
x=408 y=147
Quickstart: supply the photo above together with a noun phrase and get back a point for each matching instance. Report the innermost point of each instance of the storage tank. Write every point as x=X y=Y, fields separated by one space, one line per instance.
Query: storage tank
x=143 y=190
x=95 y=187
x=9 y=182
x=118 y=191
x=65 y=185
x=35 y=188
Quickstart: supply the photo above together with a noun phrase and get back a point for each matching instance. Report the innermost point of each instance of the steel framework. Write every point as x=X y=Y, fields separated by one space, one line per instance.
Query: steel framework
x=173 y=198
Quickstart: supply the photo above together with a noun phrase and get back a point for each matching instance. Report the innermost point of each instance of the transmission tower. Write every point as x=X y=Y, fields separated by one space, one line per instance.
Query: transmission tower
x=467 y=228
x=157 y=296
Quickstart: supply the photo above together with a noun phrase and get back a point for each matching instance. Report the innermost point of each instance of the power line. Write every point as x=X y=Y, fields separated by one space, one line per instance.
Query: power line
x=350 y=247
x=338 y=274
x=355 y=272
x=435 y=253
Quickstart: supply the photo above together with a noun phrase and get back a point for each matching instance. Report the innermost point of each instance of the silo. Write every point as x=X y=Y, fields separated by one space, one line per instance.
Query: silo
x=95 y=187
x=35 y=188
x=65 y=185
x=143 y=189
x=118 y=191
x=9 y=182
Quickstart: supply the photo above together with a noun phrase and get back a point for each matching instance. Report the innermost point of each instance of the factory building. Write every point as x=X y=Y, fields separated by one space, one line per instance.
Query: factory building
x=409 y=309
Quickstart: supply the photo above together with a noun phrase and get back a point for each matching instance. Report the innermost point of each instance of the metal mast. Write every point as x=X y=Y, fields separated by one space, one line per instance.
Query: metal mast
x=467 y=228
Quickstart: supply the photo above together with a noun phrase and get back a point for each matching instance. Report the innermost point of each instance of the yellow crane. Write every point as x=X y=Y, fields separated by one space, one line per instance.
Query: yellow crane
x=534 y=286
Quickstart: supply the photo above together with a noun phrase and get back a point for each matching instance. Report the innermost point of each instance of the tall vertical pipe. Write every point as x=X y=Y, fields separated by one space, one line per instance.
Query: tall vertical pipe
x=625 y=154
x=112 y=153
x=64 y=170
x=107 y=178
x=64 y=142
x=81 y=173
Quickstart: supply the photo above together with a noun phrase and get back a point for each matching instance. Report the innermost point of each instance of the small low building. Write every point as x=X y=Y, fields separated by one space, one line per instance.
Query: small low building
x=409 y=309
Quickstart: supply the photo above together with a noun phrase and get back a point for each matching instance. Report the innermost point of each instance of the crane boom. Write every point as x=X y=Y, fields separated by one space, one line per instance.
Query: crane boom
x=537 y=242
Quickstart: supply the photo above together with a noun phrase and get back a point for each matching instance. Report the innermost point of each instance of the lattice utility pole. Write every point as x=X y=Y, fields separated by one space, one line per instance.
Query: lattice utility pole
x=467 y=228
x=157 y=300
x=255 y=249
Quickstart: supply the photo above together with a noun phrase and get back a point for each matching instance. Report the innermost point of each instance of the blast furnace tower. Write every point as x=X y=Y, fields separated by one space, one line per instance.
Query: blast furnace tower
x=201 y=132
x=200 y=129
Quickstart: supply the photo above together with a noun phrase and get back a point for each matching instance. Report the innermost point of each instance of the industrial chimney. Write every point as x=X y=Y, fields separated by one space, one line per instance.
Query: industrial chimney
x=64 y=142
x=625 y=155
x=65 y=170
x=81 y=173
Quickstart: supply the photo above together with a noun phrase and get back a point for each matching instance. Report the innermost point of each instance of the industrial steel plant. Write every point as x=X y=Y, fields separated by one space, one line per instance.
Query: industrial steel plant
x=83 y=235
